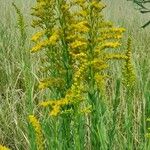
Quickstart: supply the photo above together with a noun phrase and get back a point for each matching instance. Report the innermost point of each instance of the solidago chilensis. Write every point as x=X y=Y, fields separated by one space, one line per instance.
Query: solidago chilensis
x=38 y=132
x=3 y=148
x=75 y=40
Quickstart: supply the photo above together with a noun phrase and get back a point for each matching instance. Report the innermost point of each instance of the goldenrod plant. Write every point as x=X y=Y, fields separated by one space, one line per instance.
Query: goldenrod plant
x=71 y=80
x=3 y=147
x=75 y=42
x=38 y=132
x=75 y=39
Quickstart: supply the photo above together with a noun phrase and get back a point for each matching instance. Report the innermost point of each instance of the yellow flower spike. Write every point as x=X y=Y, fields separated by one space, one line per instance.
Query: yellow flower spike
x=128 y=71
x=43 y=85
x=37 y=36
x=41 y=11
x=47 y=103
x=100 y=82
x=98 y=65
x=116 y=56
x=36 y=48
x=36 y=23
x=65 y=101
x=3 y=147
x=79 y=1
x=110 y=45
x=77 y=44
x=81 y=26
x=98 y=5
x=39 y=46
x=82 y=13
x=53 y=38
x=38 y=132
x=65 y=7
x=86 y=110
x=112 y=30
x=108 y=37
x=55 y=111
x=52 y=103
x=105 y=25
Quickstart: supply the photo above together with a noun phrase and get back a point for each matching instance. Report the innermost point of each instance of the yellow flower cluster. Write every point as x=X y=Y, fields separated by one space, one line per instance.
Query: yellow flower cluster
x=112 y=30
x=36 y=36
x=41 y=11
x=109 y=34
x=73 y=96
x=50 y=82
x=38 y=131
x=50 y=41
x=97 y=5
x=3 y=148
x=110 y=45
x=100 y=82
x=116 y=56
x=39 y=46
x=55 y=105
x=81 y=27
x=77 y=44
x=78 y=38
x=53 y=38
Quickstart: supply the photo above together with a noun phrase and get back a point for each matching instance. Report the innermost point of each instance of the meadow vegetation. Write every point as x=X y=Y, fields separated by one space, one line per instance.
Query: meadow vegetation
x=74 y=75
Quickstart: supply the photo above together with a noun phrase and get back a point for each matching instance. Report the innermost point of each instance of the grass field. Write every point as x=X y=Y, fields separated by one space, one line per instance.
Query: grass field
x=120 y=118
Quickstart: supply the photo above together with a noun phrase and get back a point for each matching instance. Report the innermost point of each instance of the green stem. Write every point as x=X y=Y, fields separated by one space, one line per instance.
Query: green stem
x=66 y=120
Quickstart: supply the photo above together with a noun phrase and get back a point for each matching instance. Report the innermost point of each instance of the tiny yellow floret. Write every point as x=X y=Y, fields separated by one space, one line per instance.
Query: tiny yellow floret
x=37 y=36
x=3 y=147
